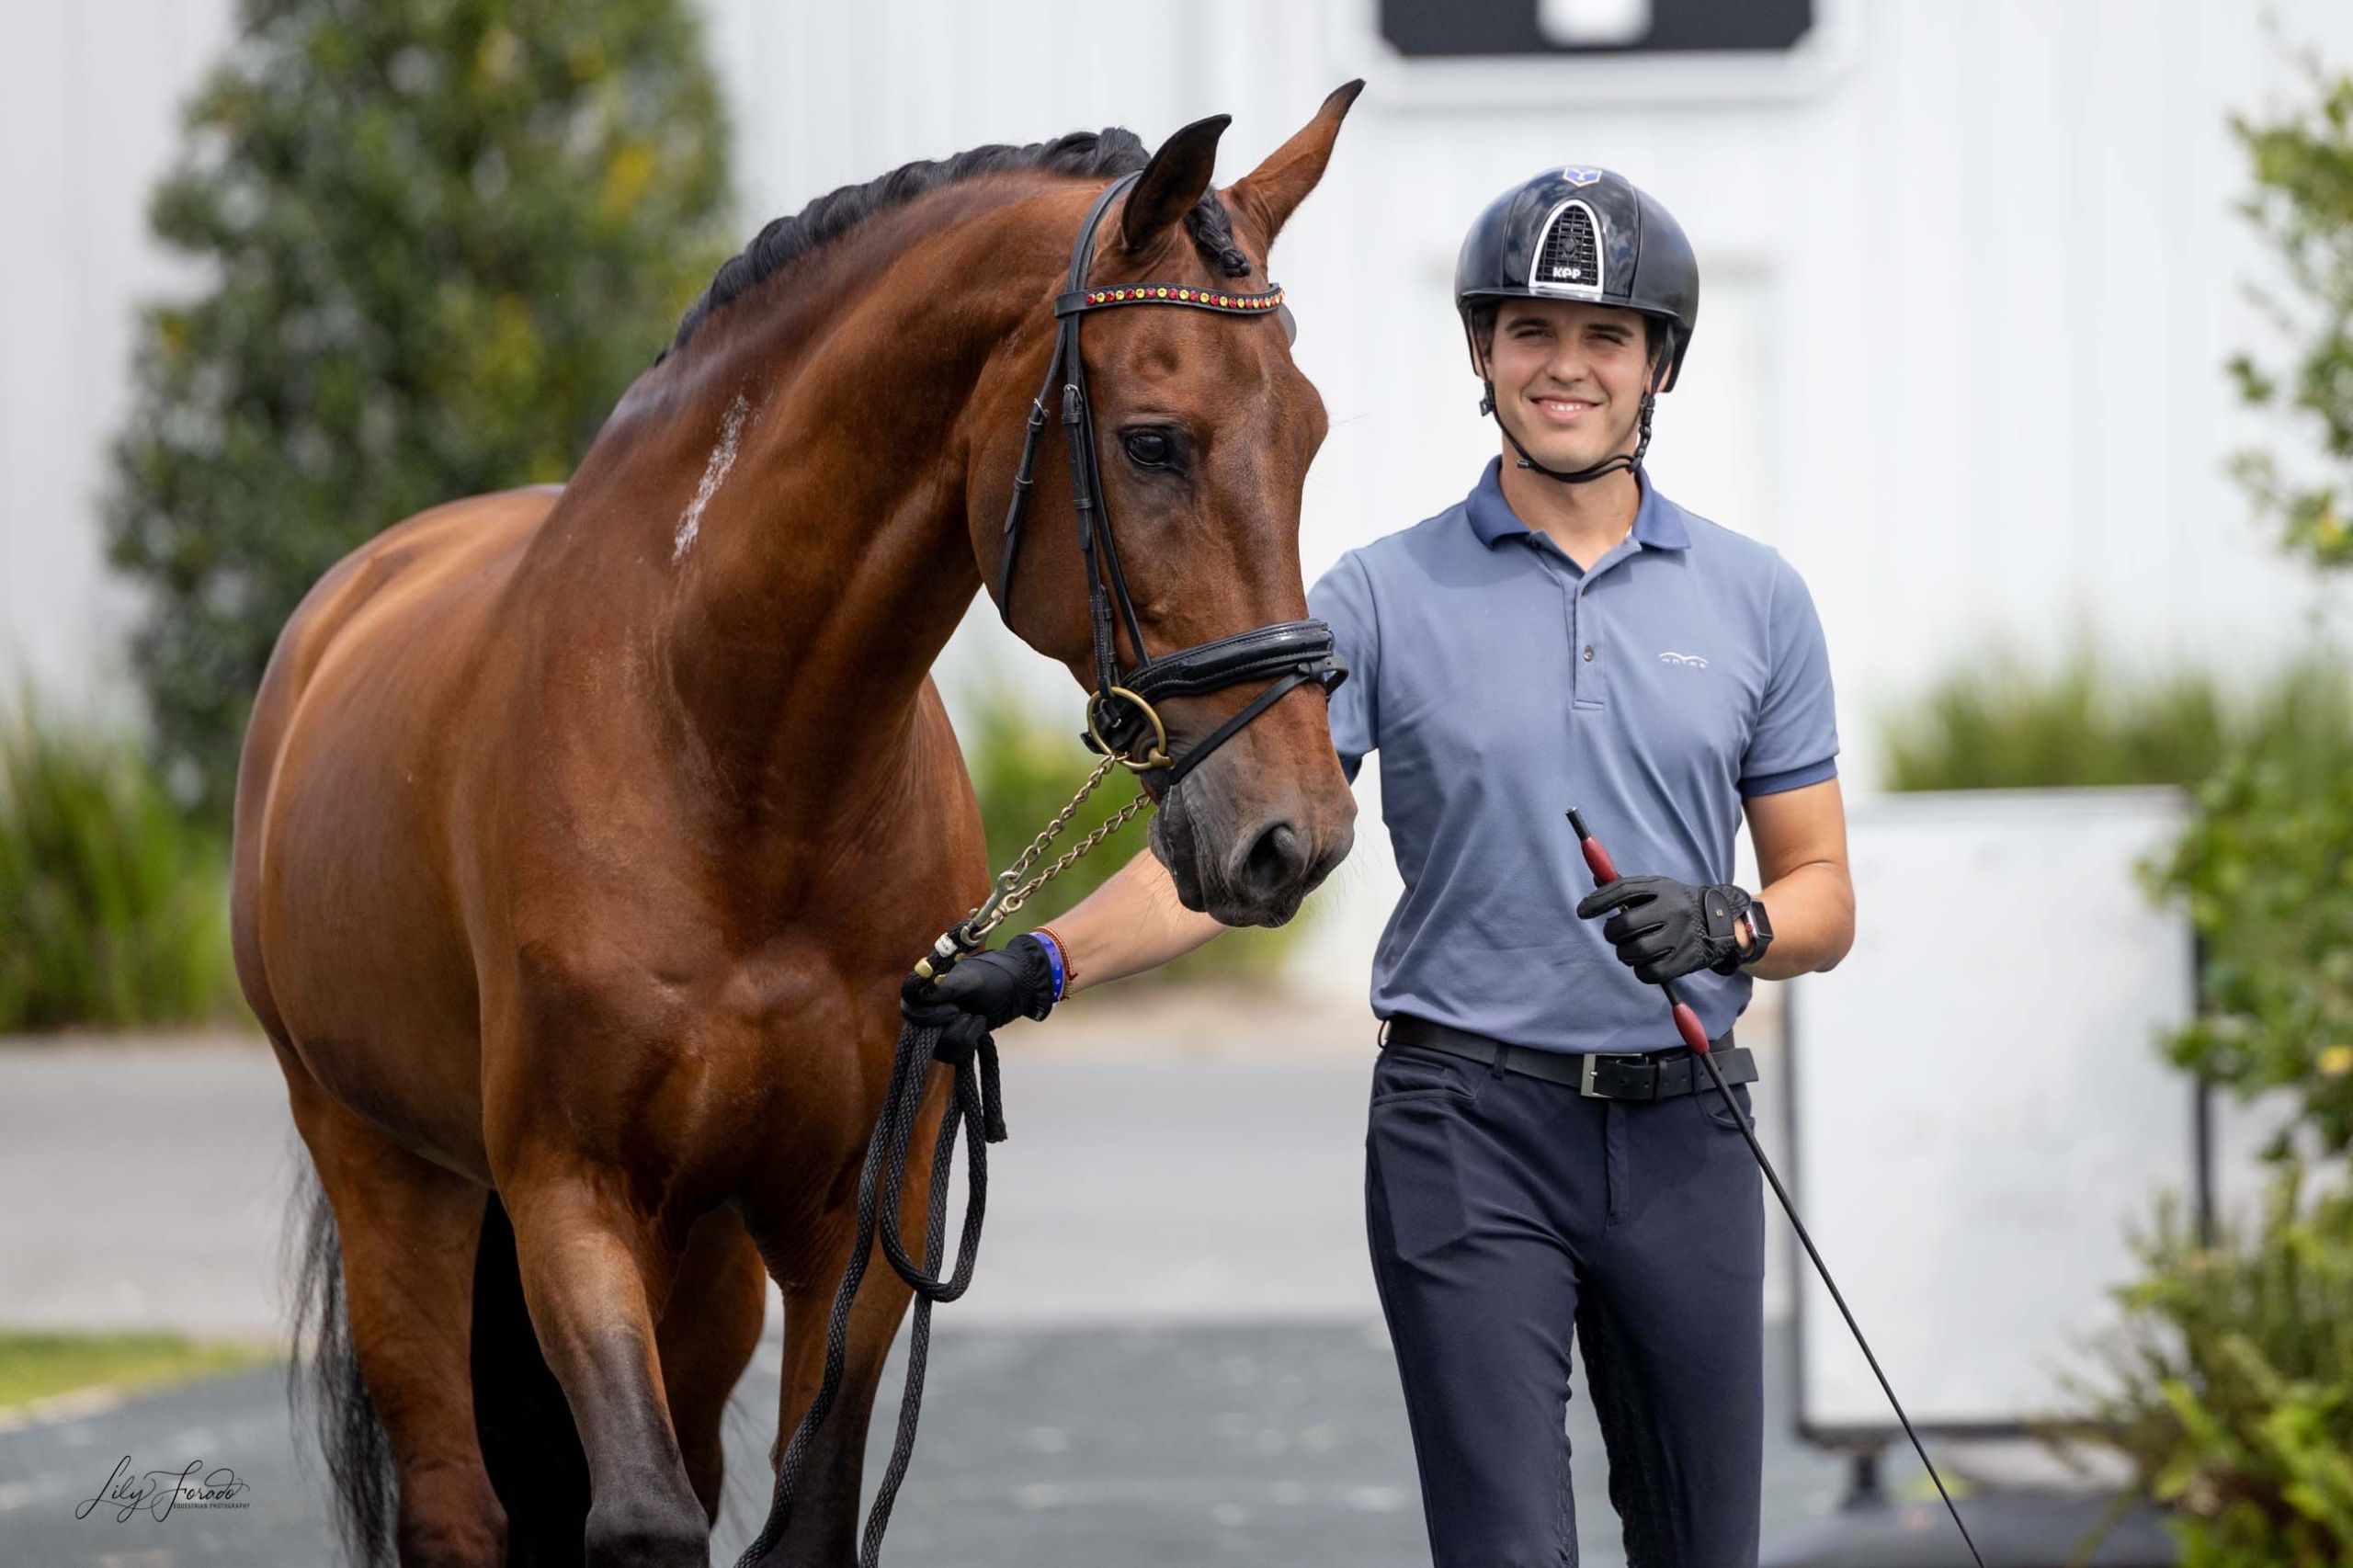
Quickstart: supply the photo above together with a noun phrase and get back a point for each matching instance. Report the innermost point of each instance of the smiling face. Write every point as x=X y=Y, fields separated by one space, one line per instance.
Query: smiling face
x=1569 y=377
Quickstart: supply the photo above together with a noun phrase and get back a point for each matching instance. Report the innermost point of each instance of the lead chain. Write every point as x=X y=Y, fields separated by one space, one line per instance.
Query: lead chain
x=1011 y=892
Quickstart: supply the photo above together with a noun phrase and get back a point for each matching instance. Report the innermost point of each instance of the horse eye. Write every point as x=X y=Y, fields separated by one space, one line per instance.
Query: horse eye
x=1148 y=449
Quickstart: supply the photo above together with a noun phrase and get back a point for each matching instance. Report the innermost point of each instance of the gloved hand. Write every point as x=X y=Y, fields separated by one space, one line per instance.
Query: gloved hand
x=983 y=992
x=1665 y=929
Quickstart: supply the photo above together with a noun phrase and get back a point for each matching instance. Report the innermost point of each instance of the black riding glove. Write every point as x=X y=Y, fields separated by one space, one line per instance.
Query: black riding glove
x=1016 y=980
x=1665 y=929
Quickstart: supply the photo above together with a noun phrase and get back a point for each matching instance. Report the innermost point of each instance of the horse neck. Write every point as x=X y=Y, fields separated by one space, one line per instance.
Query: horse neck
x=819 y=567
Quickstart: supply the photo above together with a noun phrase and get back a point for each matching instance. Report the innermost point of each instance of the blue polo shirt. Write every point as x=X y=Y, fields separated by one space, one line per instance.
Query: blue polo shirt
x=1501 y=686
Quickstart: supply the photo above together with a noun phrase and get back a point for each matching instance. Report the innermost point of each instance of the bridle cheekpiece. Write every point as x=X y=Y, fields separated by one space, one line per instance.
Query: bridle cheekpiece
x=1122 y=720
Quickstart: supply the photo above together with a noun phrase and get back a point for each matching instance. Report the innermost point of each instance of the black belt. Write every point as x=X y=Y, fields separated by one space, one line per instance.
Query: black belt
x=1655 y=1076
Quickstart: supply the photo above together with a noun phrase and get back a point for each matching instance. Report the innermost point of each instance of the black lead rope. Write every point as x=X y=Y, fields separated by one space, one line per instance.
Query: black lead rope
x=976 y=1112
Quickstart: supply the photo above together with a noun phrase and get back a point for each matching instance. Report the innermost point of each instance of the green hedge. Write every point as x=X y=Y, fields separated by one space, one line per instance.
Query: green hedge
x=2011 y=723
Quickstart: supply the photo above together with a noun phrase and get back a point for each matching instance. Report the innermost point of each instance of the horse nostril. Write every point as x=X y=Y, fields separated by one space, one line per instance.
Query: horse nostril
x=1276 y=861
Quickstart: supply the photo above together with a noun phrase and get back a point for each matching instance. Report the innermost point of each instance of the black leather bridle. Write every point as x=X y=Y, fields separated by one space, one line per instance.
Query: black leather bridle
x=1120 y=716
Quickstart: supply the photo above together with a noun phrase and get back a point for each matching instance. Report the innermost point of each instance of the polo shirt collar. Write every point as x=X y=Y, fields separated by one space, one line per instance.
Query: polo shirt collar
x=1658 y=522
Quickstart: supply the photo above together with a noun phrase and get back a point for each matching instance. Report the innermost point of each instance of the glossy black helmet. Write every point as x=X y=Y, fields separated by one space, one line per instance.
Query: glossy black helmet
x=1581 y=232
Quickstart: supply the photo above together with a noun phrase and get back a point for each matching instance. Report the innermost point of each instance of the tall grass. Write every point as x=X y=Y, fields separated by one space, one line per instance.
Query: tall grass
x=113 y=908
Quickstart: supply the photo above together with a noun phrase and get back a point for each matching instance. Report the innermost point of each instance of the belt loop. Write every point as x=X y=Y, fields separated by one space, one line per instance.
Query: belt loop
x=1496 y=1068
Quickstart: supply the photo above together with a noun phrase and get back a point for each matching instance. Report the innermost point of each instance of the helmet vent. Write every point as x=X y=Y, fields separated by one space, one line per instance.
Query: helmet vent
x=1569 y=257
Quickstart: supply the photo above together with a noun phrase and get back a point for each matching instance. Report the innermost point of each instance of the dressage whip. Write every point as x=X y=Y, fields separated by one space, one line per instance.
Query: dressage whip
x=1687 y=1023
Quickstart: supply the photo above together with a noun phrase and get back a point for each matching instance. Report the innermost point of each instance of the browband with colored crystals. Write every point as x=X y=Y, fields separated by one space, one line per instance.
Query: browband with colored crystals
x=1169 y=294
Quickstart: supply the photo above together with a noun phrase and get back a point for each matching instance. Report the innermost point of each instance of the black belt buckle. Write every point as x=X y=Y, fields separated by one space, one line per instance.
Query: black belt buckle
x=1594 y=1064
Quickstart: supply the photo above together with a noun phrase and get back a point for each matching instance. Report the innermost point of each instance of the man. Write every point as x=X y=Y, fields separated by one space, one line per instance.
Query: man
x=1545 y=1160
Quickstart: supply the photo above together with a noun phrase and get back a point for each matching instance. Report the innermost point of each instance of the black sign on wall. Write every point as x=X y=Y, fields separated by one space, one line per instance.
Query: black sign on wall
x=1443 y=28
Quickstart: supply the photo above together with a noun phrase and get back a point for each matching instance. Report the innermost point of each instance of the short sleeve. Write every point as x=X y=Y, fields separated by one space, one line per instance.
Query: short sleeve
x=1795 y=741
x=1342 y=598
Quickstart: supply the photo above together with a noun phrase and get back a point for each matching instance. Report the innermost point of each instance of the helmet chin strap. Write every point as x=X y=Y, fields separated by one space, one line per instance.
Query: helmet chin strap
x=1618 y=463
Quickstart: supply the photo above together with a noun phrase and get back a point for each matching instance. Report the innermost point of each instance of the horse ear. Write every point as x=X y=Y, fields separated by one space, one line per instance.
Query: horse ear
x=1271 y=192
x=1178 y=177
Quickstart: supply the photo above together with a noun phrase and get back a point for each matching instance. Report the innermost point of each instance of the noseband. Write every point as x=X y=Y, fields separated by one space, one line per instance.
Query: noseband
x=1121 y=715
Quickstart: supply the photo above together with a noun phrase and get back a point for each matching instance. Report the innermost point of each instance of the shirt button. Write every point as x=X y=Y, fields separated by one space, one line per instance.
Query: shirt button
x=1588 y=653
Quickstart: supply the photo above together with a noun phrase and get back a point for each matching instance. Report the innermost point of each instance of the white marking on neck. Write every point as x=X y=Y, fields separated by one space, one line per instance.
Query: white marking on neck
x=714 y=474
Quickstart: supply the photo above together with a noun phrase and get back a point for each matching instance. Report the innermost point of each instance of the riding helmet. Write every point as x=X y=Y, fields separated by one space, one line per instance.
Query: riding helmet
x=1582 y=232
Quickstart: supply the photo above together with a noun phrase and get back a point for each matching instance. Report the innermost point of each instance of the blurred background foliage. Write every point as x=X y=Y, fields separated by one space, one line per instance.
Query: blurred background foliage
x=2303 y=203
x=2232 y=1361
x=440 y=238
x=2232 y=1377
x=116 y=906
x=2266 y=869
x=2007 y=722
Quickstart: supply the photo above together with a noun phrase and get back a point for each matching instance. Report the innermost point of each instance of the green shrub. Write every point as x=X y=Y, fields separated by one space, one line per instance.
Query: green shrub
x=2302 y=204
x=2233 y=1368
x=440 y=237
x=2231 y=1383
x=2266 y=865
x=115 y=909
x=1025 y=771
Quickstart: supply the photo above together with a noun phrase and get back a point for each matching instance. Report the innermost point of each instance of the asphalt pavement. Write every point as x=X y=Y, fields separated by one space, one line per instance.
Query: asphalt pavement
x=1172 y=1354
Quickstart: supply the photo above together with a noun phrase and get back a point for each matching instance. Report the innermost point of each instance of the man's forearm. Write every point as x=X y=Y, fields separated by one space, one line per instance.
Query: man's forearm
x=1133 y=922
x=1813 y=922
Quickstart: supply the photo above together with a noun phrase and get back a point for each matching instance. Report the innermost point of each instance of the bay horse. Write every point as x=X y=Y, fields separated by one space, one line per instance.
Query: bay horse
x=585 y=835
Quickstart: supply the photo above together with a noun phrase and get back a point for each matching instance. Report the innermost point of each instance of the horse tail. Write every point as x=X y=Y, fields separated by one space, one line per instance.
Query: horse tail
x=324 y=1373
x=529 y=1442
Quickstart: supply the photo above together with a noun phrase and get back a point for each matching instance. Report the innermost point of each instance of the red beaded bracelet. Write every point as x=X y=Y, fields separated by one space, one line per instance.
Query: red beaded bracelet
x=1070 y=966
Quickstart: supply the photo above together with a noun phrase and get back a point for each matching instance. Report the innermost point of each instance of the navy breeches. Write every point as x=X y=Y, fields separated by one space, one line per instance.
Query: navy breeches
x=1509 y=1216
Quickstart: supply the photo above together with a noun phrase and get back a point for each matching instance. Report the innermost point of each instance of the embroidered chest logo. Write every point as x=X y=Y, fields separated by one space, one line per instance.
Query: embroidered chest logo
x=1693 y=660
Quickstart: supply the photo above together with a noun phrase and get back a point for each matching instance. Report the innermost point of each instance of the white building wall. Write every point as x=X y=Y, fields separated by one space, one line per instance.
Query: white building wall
x=89 y=117
x=1972 y=270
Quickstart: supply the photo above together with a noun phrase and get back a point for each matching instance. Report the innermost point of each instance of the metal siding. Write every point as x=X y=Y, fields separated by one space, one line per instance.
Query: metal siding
x=1964 y=435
